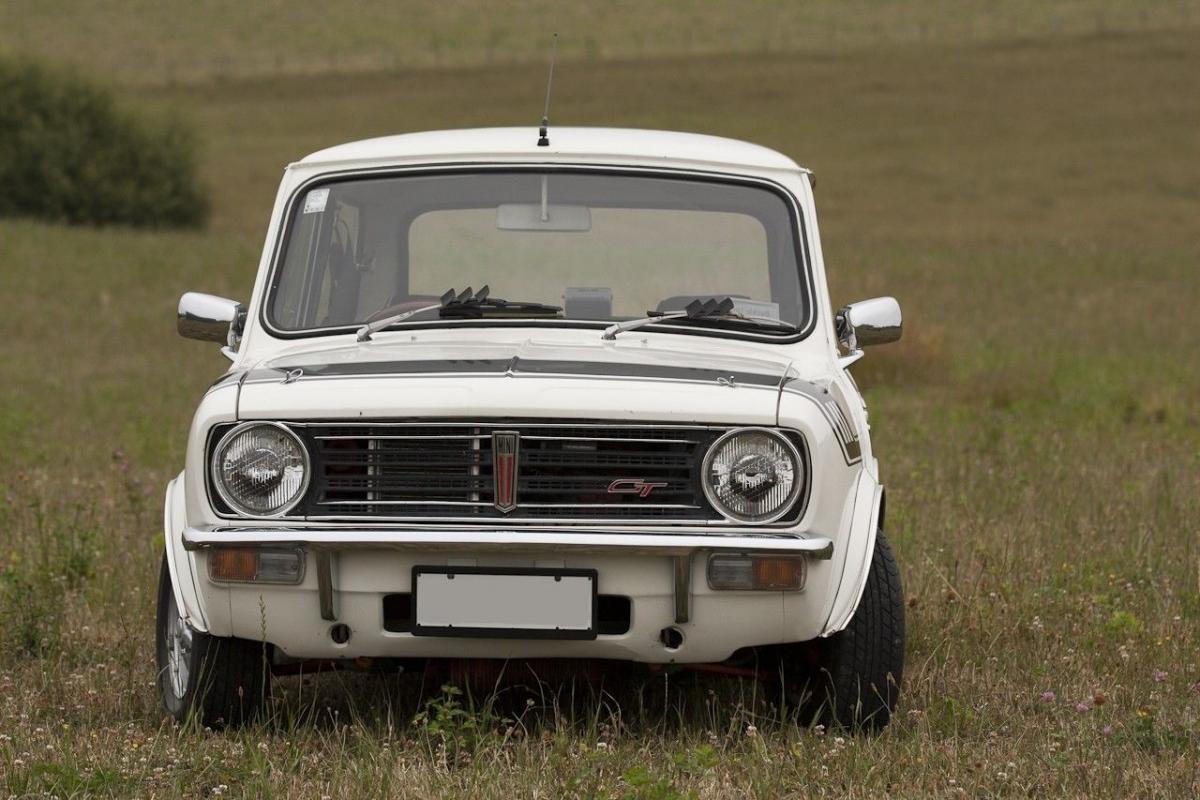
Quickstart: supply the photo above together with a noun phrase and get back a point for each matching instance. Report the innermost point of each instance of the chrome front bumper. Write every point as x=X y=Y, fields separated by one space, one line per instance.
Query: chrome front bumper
x=511 y=540
x=681 y=547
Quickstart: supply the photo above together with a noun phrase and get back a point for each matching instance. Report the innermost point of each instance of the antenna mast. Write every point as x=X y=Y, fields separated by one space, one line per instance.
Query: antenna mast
x=543 y=138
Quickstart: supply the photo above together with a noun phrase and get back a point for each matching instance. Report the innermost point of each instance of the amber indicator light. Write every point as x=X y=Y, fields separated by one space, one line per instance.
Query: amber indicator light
x=233 y=564
x=778 y=573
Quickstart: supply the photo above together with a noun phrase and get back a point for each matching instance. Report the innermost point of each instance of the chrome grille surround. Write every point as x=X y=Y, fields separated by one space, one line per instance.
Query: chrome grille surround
x=445 y=472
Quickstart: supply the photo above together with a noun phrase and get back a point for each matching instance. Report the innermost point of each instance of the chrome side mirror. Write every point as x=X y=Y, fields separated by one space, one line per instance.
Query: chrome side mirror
x=211 y=319
x=868 y=322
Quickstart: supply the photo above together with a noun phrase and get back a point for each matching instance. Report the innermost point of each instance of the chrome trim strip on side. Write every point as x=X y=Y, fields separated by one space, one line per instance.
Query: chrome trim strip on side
x=627 y=543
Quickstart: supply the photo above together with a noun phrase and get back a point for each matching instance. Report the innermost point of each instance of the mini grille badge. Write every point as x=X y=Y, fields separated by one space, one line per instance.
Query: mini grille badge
x=505 y=445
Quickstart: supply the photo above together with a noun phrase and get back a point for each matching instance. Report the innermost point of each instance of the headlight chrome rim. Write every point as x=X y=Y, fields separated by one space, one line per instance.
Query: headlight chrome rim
x=799 y=486
x=219 y=484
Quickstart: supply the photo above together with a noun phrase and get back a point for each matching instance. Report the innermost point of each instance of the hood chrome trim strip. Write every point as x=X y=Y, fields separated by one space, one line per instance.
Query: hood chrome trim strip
x=507 y=368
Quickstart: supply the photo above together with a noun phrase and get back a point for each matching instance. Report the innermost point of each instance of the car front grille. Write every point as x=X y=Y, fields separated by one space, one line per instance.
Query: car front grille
x=507 y=472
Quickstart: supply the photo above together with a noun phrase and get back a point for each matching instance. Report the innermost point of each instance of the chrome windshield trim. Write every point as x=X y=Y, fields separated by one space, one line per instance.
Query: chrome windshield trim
x=627 y=542
x=800 y=235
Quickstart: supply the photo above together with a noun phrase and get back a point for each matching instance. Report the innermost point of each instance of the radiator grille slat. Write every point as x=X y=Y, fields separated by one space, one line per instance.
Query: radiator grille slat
x=564 y=473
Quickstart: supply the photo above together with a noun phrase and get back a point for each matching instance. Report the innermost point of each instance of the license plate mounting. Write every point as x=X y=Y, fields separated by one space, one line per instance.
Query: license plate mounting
x=504 y=602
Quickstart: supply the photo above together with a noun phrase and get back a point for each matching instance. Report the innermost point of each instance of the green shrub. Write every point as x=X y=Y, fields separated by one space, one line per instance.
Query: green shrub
x=69 y=153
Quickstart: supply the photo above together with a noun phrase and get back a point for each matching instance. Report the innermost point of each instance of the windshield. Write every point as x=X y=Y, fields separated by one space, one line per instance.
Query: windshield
x=591 y=246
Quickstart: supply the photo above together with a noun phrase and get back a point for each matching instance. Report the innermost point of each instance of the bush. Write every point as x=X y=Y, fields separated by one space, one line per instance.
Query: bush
x=69 y=153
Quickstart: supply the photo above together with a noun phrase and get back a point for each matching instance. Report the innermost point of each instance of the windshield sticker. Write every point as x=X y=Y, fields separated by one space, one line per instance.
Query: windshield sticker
x=315 y=202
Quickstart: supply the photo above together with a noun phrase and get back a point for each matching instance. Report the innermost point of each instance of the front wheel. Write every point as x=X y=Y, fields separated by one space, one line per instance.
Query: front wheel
x=220 y=681
x=852 y=678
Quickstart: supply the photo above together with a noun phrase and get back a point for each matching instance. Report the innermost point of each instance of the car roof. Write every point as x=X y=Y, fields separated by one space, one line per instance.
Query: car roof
x=566 y=144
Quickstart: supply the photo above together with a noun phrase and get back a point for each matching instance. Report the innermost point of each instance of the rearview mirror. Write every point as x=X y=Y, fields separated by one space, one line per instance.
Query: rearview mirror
x=534 y=217
x=868 y=322
x=211 y=319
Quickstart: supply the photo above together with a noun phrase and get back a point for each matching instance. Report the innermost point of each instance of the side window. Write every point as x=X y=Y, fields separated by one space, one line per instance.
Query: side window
x=322 y=264
x=297 y=264
x=338 y=293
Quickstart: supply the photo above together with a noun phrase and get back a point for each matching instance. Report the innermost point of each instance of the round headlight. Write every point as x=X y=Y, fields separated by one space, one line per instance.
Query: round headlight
x=260 y=469
x=753 y=475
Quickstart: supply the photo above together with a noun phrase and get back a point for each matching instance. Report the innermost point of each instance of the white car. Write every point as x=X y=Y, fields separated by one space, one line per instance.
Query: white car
x=501 y=399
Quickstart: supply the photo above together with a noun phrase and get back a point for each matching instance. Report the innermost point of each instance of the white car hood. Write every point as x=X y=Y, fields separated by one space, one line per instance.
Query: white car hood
x=681 y=380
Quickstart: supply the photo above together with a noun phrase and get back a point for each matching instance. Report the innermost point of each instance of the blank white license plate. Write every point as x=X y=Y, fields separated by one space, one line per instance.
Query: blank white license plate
x=504 y=603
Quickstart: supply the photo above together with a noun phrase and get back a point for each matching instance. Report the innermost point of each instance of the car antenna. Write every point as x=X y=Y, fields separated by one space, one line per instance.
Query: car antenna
x=543 y=138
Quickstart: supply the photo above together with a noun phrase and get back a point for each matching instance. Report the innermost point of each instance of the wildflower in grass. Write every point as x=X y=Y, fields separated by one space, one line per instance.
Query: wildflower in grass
x=1082 y=707
x=1107 y=730
x=1048 y=696
x=751 y=731
x=1160 y=676
x=1099 y=698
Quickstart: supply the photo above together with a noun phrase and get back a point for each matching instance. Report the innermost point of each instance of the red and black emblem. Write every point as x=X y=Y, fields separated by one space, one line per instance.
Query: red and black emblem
x=505 y=445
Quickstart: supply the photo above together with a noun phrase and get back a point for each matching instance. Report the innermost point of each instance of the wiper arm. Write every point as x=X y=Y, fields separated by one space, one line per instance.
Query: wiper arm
x=463 y=305
x=707 y=309
x=371 y=328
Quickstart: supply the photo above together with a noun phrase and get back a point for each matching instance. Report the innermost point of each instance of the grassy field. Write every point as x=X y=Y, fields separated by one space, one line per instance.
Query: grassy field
x=1033 y=204
x=157 y=42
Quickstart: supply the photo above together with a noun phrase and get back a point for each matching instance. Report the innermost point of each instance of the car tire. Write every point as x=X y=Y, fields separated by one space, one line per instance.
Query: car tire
x=217 y=681
x=852 y=678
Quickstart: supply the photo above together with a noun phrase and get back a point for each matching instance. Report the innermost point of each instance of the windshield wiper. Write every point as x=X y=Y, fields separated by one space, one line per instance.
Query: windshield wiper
x=371 y=328
x=464 y=305
x=697 y=309
x=479 y=305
